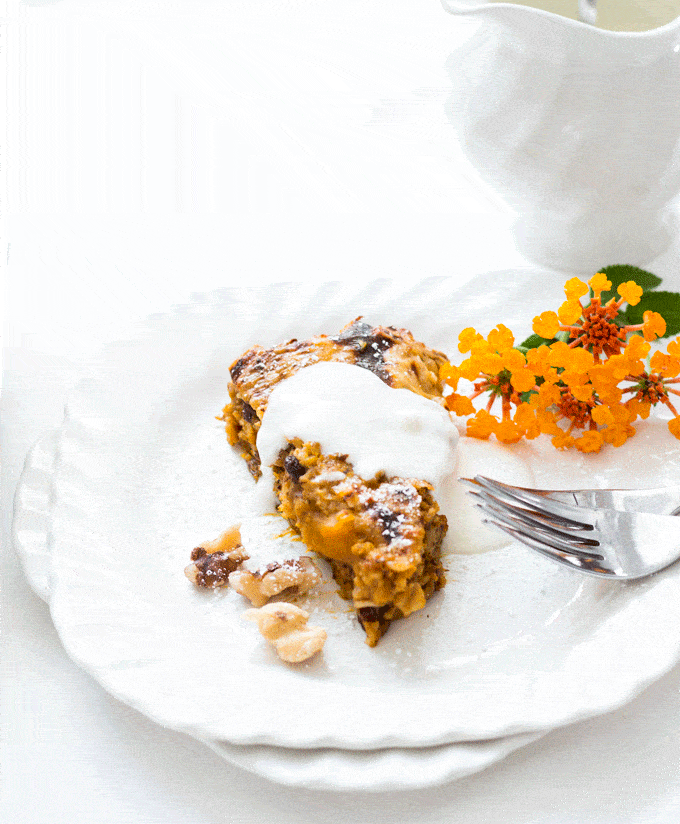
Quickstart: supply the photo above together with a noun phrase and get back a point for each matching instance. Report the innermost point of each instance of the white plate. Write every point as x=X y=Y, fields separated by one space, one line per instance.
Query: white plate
x=513 y=644
x=32 y=516
x=327 y=769
x=395 y=768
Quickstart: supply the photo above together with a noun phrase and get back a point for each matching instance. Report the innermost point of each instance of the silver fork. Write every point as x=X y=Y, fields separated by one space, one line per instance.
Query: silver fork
x=624 y=534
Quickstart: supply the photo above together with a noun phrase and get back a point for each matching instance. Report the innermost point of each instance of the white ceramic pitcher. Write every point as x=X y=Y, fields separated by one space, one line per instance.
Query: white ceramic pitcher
x=576 y=127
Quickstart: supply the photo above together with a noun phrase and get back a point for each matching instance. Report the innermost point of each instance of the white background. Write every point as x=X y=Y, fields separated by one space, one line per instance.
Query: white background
x=162 y=149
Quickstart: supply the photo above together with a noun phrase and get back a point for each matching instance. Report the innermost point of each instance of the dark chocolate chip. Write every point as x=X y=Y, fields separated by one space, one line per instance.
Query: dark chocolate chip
x=389 y=522
x=369 y=347
x=370 y=615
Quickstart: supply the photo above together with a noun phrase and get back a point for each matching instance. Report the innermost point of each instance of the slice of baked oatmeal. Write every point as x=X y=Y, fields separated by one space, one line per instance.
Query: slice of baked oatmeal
x=382 y=536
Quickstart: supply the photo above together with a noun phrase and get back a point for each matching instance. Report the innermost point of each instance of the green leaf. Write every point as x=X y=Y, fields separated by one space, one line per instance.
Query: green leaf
x=667 y=304
x=621 y=273
x=534 y=341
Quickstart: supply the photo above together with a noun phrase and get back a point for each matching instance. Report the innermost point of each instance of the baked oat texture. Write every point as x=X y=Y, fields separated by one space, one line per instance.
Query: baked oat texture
x=383 y=536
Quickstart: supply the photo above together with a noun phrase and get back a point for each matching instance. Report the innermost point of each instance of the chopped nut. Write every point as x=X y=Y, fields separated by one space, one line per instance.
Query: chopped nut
x=230 y=539
x=299 y=574
x=215 y=560
x=285 y=626
x=214 y=569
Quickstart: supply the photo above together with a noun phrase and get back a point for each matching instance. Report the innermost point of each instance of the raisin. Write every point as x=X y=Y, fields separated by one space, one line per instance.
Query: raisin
x=293 y=467
x=237 y=368
x=248 y=412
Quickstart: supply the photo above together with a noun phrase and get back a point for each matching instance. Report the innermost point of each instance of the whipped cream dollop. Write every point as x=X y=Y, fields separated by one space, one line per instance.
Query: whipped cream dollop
x=350 y=411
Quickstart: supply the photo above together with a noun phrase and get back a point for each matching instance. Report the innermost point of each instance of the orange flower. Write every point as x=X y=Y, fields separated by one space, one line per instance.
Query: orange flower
x=674 y=427
x=616 y=422
x=460 y=404
x=575 y=289
x=605 y=382
x=666 y=365
x=548 y=394
x=525 y=416
x=578 y=360
x=633 y=356
x=562 y=440
x=468 y=369
x=599 y=283
x=602 y=415
x=482 y=425
x=547 y=325
x=639 y=348
x=617 y=435
x=508 y=431
x=559 y=354
x=500 y=338
x=654 y=326
x=656 y=384
x=495 y=367
x=673 y=348
x=630 y=292
x=490 y=363
x=512 y=359
x=573 y=388
x=590 y=441
x=593 y=327
x=638 y=409
x=538 y=361
x=569 y=312
x=547 y=423
x=449 y=374
x=583 y=392
x=467 y=338
x=523 y=380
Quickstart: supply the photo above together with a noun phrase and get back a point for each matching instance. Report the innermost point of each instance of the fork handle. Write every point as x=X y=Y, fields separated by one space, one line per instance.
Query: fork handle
x=659 y=501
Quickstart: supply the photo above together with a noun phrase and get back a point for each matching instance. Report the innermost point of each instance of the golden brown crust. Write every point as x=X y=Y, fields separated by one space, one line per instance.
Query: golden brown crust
x=383 y=536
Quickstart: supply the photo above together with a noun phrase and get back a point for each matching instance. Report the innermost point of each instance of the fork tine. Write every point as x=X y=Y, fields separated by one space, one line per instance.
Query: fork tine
x=547 y=536
x=532 y=499
x=566 y=558
x=603 y=532
x=536 y=516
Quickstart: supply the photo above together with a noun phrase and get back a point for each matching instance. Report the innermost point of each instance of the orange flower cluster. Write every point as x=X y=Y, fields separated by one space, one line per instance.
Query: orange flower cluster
x=584 y=390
